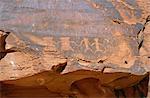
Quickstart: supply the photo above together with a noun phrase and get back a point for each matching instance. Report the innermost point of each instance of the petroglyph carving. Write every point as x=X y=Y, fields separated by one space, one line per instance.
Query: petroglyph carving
x=66 y=44
x=97 y=45
x=85 y=43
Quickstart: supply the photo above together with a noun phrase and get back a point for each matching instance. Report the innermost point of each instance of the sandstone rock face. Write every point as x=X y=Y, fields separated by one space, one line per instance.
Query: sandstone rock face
x=75 y=43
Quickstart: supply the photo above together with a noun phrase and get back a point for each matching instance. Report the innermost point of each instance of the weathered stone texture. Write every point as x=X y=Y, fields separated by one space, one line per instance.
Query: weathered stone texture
x=64 y=42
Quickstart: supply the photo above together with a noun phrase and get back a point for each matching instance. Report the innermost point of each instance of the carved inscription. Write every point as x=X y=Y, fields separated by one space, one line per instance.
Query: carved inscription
x=97 y=45
x=71 y=44
x=85 y=43
x=66 y=44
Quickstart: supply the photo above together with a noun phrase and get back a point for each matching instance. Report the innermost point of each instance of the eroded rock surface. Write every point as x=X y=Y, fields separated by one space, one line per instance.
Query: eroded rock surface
x=73 y=40
x=81 y=33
